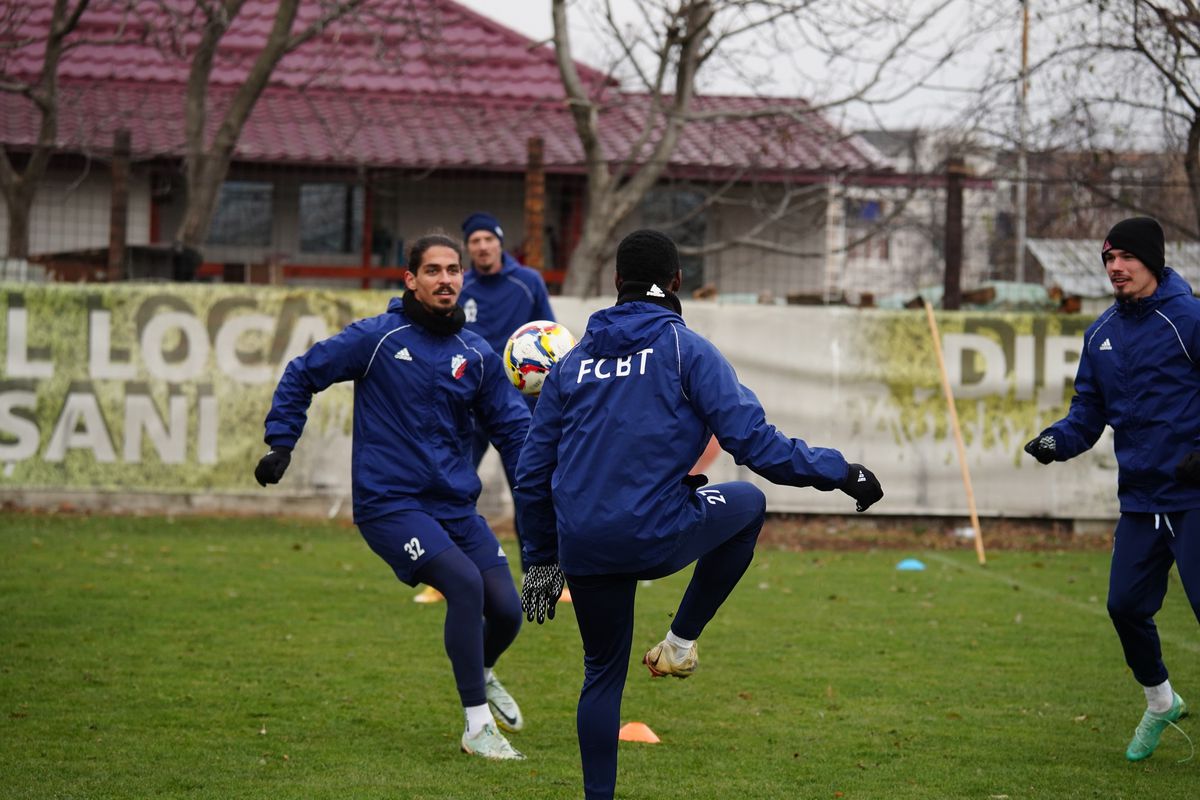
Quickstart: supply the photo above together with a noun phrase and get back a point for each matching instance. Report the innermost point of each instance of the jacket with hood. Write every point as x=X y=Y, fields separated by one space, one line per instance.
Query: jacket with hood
x=498 y=304
x=621 y=419
x=414 y=396
x=1138 y=373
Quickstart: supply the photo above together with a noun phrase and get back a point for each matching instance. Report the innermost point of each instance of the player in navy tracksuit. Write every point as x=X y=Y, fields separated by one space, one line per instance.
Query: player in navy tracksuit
x=604 y=492
x=419 y=380
x=1138 y=373
x=499 y=295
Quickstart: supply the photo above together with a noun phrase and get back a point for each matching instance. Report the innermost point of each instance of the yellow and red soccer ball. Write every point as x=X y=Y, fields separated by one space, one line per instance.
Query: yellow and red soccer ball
x=532 y=350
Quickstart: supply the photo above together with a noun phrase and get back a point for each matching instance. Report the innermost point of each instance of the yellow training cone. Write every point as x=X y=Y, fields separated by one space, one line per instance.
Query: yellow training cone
x=637 y=732
x=428 y=595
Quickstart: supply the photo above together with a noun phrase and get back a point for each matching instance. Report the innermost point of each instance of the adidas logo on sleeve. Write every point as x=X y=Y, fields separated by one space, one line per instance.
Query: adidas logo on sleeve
x=1106 y=345
x=403 y=355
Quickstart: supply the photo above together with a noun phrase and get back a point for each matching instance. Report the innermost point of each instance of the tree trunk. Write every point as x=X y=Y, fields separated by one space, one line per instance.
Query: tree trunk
x=205 y=176
x=19 y=204
x=1191 y=165
x=592 y=259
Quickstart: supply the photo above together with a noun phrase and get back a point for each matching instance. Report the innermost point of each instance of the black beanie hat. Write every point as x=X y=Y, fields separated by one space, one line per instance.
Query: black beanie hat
x=647 y=255
x=1141 y=236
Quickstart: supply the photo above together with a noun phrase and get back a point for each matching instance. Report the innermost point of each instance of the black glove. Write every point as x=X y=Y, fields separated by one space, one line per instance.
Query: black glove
x=272 y=466
x=540 y=591
x=863 y=486
x=1042 y=447
x=1188 y=470
x=694 y=482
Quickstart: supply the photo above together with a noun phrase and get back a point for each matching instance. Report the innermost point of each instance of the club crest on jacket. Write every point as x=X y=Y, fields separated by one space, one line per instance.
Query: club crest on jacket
x=458 y=366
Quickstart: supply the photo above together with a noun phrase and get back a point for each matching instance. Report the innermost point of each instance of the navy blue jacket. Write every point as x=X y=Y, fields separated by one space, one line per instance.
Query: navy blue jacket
x=414 y=396
x=1138 y=374
x=498 y=304
x=622 y=418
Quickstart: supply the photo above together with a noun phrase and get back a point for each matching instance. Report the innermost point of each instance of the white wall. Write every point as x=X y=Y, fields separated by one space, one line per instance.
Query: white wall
x=71 y=211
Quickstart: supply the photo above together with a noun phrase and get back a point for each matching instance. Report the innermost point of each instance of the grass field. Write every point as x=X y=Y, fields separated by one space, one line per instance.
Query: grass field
x=253 y=658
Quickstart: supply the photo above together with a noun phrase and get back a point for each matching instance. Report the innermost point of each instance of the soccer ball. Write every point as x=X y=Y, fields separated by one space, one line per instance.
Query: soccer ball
x=532 y=350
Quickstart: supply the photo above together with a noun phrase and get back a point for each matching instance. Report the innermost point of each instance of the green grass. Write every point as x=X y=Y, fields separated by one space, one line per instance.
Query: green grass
x=205 y=658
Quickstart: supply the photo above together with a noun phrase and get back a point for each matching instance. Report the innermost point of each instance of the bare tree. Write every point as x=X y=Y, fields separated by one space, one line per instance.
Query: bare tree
x=207 y=158
x=1119 y=128
x=663 y=54
x=19 y=183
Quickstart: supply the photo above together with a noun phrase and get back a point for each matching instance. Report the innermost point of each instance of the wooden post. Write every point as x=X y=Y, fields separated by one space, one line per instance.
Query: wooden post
x=535 y=204
x=956 y=170
x=958 y=439
x=118 y=212
x=368 y=222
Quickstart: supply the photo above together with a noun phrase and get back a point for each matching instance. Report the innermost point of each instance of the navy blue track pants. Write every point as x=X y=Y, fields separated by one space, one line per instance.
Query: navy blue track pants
x=722 y=547
x=1144 y=548
x=461 y=559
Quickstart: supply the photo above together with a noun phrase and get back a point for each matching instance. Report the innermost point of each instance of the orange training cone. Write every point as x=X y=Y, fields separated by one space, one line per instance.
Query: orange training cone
x=637 y=732
x=565 y=597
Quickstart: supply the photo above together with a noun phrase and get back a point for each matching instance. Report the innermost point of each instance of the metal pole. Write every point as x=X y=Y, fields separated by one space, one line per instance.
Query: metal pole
x=956 y=171
x=368 y=225
x=1022 y=160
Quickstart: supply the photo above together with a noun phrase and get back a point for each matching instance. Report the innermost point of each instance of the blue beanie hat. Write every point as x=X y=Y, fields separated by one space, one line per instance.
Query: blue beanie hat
x=481 y=221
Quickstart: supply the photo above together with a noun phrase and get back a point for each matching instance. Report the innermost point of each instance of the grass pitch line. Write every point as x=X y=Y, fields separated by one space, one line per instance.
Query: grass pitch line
x=1097 y=609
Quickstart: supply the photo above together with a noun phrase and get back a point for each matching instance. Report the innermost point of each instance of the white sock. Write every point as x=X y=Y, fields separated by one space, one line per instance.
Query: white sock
x=477 y=717
x=1159 y=698
x=681 y=645
x=487 y=674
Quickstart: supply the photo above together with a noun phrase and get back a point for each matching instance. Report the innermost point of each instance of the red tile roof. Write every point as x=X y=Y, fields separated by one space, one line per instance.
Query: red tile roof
x=466 y=93
x=410 y=46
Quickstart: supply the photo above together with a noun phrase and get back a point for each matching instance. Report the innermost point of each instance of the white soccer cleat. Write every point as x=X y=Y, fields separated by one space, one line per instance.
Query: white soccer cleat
x=504 y=709
x=664 y=659
x=490 y=743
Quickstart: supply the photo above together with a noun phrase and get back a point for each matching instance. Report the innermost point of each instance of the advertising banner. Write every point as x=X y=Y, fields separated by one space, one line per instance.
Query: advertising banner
x=164 y=388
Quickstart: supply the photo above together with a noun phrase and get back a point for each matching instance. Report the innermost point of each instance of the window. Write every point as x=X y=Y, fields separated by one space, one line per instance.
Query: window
x=331 y=218
x=864 y=234
x=243 y=215
x=679 y=214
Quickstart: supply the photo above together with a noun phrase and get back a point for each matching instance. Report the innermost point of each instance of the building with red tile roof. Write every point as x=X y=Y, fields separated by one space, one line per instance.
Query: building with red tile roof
x=420 y=111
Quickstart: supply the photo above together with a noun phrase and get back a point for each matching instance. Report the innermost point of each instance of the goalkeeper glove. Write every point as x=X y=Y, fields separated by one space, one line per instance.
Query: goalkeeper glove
x=1042 y=447
x=540 y=591
x=272 y=466
x=863 y=486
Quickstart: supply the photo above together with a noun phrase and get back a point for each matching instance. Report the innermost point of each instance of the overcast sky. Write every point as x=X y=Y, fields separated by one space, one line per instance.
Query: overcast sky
x=784 y=74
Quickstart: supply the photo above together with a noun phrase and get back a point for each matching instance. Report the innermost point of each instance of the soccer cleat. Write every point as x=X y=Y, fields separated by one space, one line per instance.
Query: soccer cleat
x=490 y=743
x=504 y=709
x=661 y=660
x=1150 y=729
x=428 y=595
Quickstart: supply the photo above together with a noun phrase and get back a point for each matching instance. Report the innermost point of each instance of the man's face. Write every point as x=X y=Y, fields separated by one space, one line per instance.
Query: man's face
x=1130 y=278
x=484 y=250
x=438 y=279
